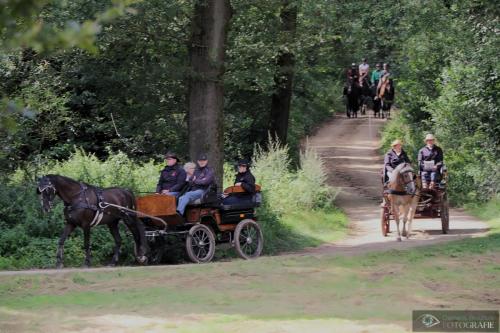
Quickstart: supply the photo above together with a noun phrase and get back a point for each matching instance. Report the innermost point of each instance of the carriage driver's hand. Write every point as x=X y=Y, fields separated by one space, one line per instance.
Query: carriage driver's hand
x=165 y=192
x=237 y=184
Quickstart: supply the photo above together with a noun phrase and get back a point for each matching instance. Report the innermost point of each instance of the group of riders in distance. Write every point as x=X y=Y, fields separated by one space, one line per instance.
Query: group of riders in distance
x=363 y=90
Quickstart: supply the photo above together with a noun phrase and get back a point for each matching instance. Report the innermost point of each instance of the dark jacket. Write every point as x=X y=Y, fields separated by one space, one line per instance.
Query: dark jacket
x=435 y=154
x=203 y=178
x=247 y=181
x=392 y=160
x=172 y=178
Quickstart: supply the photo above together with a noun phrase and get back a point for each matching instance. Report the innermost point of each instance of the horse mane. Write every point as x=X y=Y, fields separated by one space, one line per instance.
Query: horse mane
x=403 y=167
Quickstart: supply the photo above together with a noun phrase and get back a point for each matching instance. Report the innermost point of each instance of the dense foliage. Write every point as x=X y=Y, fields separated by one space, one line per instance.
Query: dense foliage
x=131 y=94
x=29 y=238
x=449 y=82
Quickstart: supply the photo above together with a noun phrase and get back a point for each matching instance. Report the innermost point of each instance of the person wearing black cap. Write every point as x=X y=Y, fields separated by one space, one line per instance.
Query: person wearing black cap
x=203 y=177
x=172 y=177
x=246 y=180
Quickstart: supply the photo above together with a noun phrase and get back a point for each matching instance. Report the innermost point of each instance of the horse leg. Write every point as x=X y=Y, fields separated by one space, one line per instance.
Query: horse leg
x=137 y=229
x=86 y=244
x=68 y=229
x=113 y=228
x=395 y=212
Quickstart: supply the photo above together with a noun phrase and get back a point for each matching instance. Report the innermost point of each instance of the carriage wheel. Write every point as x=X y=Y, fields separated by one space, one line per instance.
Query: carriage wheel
x=384 y=221
x=445 y=214
x=248 y=239
x=200 y=244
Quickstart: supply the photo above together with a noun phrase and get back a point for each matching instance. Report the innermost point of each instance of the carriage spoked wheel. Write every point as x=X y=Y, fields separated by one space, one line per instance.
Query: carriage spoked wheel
x=248 y=239
x=445 y=214
x=384 y=221
x=200 y=244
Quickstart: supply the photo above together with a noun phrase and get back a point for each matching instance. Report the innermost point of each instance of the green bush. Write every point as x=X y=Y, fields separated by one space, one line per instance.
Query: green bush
x=29 y=237
x=288 y=190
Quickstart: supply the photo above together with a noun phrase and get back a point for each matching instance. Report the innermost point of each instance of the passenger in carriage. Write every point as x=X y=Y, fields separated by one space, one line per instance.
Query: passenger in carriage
x=394 y=157
x=189 y=167
x=246 y=180
x=172 y=177
x=430 y=161
x=203 y=177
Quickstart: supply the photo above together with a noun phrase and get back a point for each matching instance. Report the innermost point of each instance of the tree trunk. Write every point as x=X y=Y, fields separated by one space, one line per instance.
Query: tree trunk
x=206 y=96
x=283 y=79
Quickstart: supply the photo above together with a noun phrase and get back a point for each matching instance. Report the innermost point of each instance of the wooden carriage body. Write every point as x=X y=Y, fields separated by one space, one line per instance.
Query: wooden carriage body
x=204 y=225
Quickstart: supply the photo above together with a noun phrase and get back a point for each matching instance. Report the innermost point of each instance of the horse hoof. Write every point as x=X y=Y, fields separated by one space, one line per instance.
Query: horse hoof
x=399 y=239
x=143 y=260
x=59 y=266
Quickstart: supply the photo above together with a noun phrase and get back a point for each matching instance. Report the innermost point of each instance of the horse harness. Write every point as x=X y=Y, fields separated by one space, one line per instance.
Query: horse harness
x=83 y=201
x=394 y=192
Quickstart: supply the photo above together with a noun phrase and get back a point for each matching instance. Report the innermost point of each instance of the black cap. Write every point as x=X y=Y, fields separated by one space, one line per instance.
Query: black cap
x=171 y=155
x=244 y=161
x=202 y=157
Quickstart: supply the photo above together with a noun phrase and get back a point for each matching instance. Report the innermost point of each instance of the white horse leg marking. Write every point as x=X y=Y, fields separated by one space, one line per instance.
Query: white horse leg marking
x=395 y=211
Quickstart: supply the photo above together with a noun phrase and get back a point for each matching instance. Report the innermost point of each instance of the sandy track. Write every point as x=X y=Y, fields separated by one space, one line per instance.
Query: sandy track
x=350 y=149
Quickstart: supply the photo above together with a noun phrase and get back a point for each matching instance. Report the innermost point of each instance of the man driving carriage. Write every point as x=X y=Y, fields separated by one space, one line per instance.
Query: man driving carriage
x=246 y=180
x=172 y=177
x=394 y=157
x=199 y=183
x=430 y=161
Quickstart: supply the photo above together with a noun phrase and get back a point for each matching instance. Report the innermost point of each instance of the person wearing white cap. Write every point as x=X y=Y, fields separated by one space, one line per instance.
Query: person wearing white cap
x=430 y=161
x=394 y=157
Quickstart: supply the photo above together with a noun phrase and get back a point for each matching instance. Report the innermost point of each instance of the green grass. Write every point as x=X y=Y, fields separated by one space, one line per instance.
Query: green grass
x=270 y=292
x=489 y=212
x=318 y=226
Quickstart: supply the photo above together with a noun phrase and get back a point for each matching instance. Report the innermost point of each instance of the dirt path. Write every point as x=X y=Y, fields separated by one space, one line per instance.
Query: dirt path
x=350 y=149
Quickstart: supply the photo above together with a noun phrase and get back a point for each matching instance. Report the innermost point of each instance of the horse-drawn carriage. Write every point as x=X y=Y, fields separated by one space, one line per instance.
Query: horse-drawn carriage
x=207 y=222
x=432 y=203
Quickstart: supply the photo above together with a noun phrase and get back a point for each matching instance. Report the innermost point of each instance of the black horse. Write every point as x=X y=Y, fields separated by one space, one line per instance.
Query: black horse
x=86 y=206
x=352 y=91
x=388 y=99
x=366 y=94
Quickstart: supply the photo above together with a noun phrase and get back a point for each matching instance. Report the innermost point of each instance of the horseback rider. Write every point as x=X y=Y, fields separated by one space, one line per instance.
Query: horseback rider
x=430 y=161
x=246 y=180
x=200 y=182
x=363 y=68
x=376 y=75
x=352 y=73
x=172 y=177
x=384 y=74
x=394 y=157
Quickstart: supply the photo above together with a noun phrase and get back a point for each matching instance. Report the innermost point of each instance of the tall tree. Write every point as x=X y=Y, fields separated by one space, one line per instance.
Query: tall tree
x=206 y=90
x=285 y=61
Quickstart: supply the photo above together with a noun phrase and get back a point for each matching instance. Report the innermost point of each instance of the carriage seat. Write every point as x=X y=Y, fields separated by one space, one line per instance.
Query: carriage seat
x=210 y=197
x=255 y=201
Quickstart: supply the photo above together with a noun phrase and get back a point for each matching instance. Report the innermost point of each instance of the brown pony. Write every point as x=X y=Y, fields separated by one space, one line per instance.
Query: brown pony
x=86 y=206
x=403 y=195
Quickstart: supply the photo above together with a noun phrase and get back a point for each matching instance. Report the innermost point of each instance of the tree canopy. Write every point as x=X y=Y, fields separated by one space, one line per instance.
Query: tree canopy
x=115 y=76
